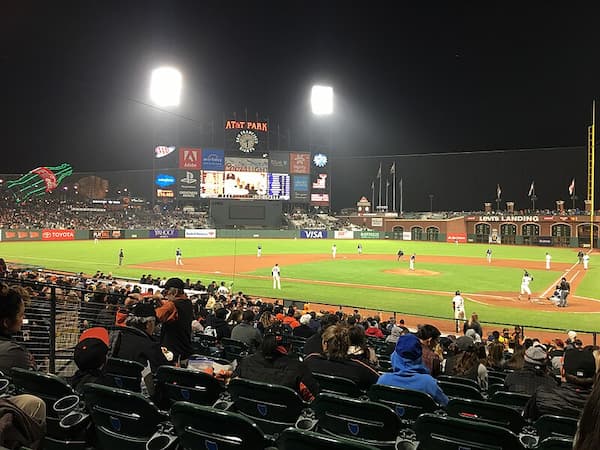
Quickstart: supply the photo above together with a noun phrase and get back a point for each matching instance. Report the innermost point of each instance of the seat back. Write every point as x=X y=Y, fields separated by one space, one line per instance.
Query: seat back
x=233 y=349
x=494 y=379
x=122 y=419
x=449 y=433
x=123 y=374
x=459 y=390
x=459 y=380
x=48 y=387
x=272 y=407
x=486 y=412
x=495 y=387
x=514 y=399
x=204 y=344
x=294 y=439
x=296 y=344
x=202 y=427
x=364 y=421
x=555 y=443
x=406 y=403
x=337 y=385
x=555 y=426
x=173 y=384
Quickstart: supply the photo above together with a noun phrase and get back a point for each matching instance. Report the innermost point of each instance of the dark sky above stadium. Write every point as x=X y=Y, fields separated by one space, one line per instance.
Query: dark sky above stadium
x=416 y=85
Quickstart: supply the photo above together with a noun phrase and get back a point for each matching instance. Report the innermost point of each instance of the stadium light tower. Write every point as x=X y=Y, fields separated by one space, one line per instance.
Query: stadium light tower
x=321 y=100
x=165 y=86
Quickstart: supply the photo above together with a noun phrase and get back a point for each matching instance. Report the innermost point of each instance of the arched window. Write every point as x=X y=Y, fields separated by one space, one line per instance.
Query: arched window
x=508 y=232
x=432 y=233
x=398 y=232
x=416 y=233
x=482 y=232
x=561 y=234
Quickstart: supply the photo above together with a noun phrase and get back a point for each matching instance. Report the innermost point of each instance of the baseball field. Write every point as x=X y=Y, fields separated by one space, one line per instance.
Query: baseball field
x=373 y=280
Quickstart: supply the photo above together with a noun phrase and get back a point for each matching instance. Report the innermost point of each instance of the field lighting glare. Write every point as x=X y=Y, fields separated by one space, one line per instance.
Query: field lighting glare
x=165 y=86
x=321 y=100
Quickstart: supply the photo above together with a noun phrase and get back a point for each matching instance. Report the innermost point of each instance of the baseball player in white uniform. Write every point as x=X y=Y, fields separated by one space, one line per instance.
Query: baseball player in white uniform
x=276 y=272
x=548 y=259
x=488 y=255
x=411 y=261
x=525 y=285
x=586 y=261
x=178 y=260
x=458 y=303
x=333 y=251
x=259 y=251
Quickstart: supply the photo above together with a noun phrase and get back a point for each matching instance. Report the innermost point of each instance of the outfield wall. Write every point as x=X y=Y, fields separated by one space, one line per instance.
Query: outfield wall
x=433 y=231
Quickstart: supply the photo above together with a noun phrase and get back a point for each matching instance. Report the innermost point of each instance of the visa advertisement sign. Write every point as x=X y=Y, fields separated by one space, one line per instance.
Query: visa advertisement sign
x=313 y=234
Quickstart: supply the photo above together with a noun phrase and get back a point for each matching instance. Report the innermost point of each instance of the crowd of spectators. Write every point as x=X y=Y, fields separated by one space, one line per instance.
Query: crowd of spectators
x=156 y=322
x=55 y=214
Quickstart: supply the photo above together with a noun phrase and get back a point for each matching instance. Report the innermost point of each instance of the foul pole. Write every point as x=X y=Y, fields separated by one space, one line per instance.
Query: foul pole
x=591 y=165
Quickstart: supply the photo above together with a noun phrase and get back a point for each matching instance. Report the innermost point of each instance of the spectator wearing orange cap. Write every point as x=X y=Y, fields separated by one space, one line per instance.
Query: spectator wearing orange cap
x=90 y=357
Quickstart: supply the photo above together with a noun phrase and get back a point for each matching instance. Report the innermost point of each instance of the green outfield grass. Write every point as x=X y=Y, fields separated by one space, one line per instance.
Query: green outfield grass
x=362 y=276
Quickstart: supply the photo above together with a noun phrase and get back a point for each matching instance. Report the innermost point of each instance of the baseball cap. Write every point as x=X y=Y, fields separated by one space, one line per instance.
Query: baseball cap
x=175 y=283
x=91 y=351
x=580 y=363
x=408 y=346
x=99 y=333
x=536 y=355
x=142 y=310
x=465 y=344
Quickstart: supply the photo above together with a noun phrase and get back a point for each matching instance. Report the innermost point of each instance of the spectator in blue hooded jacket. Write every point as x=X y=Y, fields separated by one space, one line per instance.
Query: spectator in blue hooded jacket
x=409 y=371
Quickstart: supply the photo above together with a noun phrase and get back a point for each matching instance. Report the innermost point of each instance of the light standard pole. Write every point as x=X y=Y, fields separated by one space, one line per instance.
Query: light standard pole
x=165 y=92
x=431 y=203
x=321 y=101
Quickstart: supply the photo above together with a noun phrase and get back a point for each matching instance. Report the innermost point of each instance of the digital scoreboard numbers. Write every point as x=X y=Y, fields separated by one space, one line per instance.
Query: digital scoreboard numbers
x=279 y=186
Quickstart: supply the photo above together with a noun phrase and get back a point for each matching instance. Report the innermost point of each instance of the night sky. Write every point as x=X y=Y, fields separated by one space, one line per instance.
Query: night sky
x=422 y=86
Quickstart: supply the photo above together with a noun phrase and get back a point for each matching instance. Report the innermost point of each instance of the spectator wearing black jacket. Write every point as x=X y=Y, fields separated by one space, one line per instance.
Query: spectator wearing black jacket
x=579 y=372
x=313 y=344
x=176 y=314
x=90 y=357
x=334 y=359
x=533 y=374
x=304 y=331
x=135 y=342
x=272 y=364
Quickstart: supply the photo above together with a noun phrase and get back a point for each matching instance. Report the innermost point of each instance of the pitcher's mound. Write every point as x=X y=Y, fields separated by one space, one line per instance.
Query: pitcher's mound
x=414 y=273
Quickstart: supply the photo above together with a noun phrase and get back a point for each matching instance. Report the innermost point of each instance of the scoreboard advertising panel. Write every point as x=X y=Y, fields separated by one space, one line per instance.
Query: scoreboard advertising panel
x=320 y=180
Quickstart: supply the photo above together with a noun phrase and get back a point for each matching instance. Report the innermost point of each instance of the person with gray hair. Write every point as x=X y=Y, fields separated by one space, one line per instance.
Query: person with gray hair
x=304 y=331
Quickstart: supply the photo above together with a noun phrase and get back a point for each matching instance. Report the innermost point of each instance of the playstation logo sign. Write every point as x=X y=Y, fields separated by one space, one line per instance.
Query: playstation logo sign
x=189 y=178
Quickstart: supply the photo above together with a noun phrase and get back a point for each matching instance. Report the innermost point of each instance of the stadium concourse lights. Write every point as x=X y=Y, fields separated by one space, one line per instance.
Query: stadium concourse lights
x=165 y=86
x=321 y=100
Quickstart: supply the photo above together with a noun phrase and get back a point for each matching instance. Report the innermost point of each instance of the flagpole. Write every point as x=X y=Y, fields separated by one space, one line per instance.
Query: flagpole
x=373 y=189
x=394 y=192
x=401 y=196
x=387 y=193
x=379 y=204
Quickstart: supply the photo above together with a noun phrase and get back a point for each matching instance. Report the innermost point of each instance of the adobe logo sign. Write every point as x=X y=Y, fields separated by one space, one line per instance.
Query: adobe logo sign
x=190 y=158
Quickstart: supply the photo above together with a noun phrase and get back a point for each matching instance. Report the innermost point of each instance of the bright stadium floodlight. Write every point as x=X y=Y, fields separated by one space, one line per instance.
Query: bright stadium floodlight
x=321 y=100
x=165 y=86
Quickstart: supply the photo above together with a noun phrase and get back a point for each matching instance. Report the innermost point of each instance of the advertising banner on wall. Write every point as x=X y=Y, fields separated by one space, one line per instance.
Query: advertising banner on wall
x=106 y=234
x=200 y=233
x=190 y=158
x=279 y=186
x=319 y=199
x=313 y=234
x=368 y=235
x=279 y=162
x=22 y=235
x=300 y=188
x=58 y=235
x=377 y=221
x=159 y=233
x=456 y=237
x=260 y=165
x=213 y=159
x=165 y=156
x=343 y=234
x=212 y=185
x=188 y=184
x=300 y=163
x=406 y=236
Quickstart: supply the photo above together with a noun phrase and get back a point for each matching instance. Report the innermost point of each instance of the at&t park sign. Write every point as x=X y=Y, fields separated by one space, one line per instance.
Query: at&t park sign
x=245 y=125
x=509 y=218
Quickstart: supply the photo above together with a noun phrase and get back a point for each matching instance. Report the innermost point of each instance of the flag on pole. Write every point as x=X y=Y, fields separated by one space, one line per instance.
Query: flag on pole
x=393 y=168
x=531 y=190
x=379 y=172
x=572 y=187
x=498 y=191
